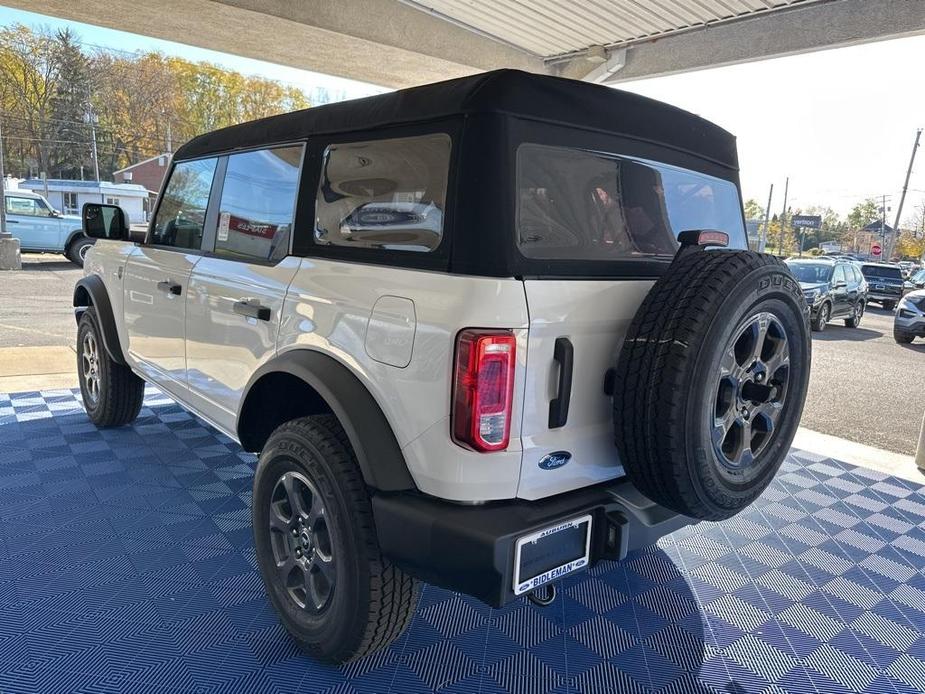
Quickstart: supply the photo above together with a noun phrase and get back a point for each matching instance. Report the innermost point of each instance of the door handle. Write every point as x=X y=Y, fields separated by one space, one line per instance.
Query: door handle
x=563 y=353
x=245 y=308
x=170 y=287
x=12 y=221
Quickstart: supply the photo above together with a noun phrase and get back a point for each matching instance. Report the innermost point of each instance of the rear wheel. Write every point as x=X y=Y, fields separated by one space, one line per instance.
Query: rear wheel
x=901 y=337
x=112 y=394
x=854 y=320
x=317 y=546
x=711 y=382
x=819 y=322
x=77 y=250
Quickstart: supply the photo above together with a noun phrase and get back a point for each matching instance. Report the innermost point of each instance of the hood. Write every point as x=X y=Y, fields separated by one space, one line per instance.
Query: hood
x=806 y=286
x=917 y=294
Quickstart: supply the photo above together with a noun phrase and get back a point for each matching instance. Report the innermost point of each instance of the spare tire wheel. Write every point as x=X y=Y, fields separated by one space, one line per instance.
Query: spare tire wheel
x=711 y=380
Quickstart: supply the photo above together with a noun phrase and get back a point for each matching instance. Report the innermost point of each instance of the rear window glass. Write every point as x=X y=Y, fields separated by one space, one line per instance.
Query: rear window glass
x=388 y=194
x=581 y=205
x=881 y=271
x=815 y=273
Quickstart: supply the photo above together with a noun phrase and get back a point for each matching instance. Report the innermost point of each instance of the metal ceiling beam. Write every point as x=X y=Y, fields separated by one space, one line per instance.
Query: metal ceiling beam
x=385 y=42
x=790 y=31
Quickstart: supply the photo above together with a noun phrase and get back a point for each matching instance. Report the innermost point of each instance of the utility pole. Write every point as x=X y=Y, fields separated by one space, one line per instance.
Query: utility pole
x=902 y=198
x=767 y=217
x=169 y=139
x=783 y=216
x=4 y=234
x=10 y=258
x=92 y=120
x=882 y=226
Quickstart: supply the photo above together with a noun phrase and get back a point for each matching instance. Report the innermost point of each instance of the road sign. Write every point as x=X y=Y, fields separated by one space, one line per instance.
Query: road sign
x=806 y=221
x=875 y=249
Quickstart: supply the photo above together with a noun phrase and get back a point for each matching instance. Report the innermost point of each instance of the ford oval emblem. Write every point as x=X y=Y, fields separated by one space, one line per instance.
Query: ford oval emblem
x=551 y=461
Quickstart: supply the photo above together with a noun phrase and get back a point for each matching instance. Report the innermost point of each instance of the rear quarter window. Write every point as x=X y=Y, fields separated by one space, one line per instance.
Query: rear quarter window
x=882 y=272
x=385 y=194
x=578 y=204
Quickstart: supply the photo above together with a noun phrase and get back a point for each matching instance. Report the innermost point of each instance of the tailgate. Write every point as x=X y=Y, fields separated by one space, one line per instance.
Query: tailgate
x=593 y=316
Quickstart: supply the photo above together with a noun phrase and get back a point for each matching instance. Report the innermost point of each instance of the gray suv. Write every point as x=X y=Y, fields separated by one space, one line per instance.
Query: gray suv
x=909 y=322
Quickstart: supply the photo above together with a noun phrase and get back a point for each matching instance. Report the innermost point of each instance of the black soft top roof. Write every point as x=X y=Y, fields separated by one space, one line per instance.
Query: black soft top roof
x=520 y=94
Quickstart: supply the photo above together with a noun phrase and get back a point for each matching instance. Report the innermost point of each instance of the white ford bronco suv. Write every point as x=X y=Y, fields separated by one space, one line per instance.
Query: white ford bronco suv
x=473 y=330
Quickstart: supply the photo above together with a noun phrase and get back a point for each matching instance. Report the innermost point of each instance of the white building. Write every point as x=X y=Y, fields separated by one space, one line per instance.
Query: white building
x=69 y=196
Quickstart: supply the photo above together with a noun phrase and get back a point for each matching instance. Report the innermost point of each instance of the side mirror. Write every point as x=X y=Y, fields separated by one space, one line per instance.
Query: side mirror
x=104 y=222
x=839 y=284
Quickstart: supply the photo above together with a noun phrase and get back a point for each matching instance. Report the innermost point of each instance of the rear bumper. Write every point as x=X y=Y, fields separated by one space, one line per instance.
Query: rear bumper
x=470 y=549
x=882 y=296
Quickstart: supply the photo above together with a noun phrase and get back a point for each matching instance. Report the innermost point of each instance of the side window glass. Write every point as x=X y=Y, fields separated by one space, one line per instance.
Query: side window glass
x=839 y=275
x=257 y=209
x=24 y=206
x=388 y=194
x=182 y=211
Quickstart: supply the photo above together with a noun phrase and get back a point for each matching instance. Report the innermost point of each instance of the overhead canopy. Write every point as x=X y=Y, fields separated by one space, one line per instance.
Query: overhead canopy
x=400 y=43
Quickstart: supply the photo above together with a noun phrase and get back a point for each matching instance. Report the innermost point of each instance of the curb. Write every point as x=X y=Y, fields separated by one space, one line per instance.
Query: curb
x=860 y=454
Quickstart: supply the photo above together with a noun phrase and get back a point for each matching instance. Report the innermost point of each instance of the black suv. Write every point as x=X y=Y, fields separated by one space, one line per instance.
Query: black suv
x=833 y=287
x=886 y=283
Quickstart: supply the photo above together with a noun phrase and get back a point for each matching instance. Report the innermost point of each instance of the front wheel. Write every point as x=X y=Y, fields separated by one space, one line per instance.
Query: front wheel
x=822 y=318
x=111 y=393
x=854 y=320
x=901 y=337
x=317 y=546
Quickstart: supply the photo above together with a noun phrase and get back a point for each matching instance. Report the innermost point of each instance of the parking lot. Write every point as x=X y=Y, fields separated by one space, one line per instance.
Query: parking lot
x=864 y=387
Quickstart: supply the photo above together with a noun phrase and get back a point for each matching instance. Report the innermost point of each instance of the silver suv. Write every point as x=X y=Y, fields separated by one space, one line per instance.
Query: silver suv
x=472 y=329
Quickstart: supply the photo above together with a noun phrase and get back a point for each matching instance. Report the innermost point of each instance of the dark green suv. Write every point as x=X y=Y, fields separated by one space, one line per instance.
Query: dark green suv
x=833 y=288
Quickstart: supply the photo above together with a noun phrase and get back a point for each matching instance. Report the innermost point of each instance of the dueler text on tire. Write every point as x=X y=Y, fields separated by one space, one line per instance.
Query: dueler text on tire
x=317 y=547
x=112 y=394
x=711 y=381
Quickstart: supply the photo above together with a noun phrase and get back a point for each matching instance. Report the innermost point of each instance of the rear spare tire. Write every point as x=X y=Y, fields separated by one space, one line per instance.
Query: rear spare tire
x=711 y=380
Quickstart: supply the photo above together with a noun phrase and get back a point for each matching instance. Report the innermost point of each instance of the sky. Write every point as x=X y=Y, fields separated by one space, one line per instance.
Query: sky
x=840 y=123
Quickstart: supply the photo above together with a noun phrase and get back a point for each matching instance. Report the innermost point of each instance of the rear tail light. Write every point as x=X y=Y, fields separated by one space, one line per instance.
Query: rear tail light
x=483 y=389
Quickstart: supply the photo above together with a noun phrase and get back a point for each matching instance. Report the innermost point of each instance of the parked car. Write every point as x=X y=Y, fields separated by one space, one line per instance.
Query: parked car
x=915 y=281
x=432 y=312
x=833 y=287
x=42 y=229
x=907 y=267
x=909 y=322
x=885 y=283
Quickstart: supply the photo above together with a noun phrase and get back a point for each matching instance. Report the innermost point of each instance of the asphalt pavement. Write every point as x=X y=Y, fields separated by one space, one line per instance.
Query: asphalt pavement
x=864 y=387
x=36 y=309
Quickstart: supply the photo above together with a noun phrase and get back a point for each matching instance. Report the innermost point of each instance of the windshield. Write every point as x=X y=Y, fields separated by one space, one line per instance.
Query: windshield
x=882 y=272
x=811 y=273
x=577 y=204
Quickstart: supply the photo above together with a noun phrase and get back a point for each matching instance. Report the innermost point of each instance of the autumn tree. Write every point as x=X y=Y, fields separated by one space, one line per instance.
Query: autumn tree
x=753 y=210
x=863 y=214
x=50 y=88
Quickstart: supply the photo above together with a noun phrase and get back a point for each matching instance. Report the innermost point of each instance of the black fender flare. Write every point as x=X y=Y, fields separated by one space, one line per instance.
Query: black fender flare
x=72 y=236
x=90 y=291
x=369 y=432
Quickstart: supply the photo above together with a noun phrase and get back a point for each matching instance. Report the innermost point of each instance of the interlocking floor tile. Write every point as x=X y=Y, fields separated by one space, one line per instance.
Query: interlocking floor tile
x=126 y=565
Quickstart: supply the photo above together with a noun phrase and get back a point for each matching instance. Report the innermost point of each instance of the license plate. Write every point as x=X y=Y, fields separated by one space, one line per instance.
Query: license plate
x=551 y=553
